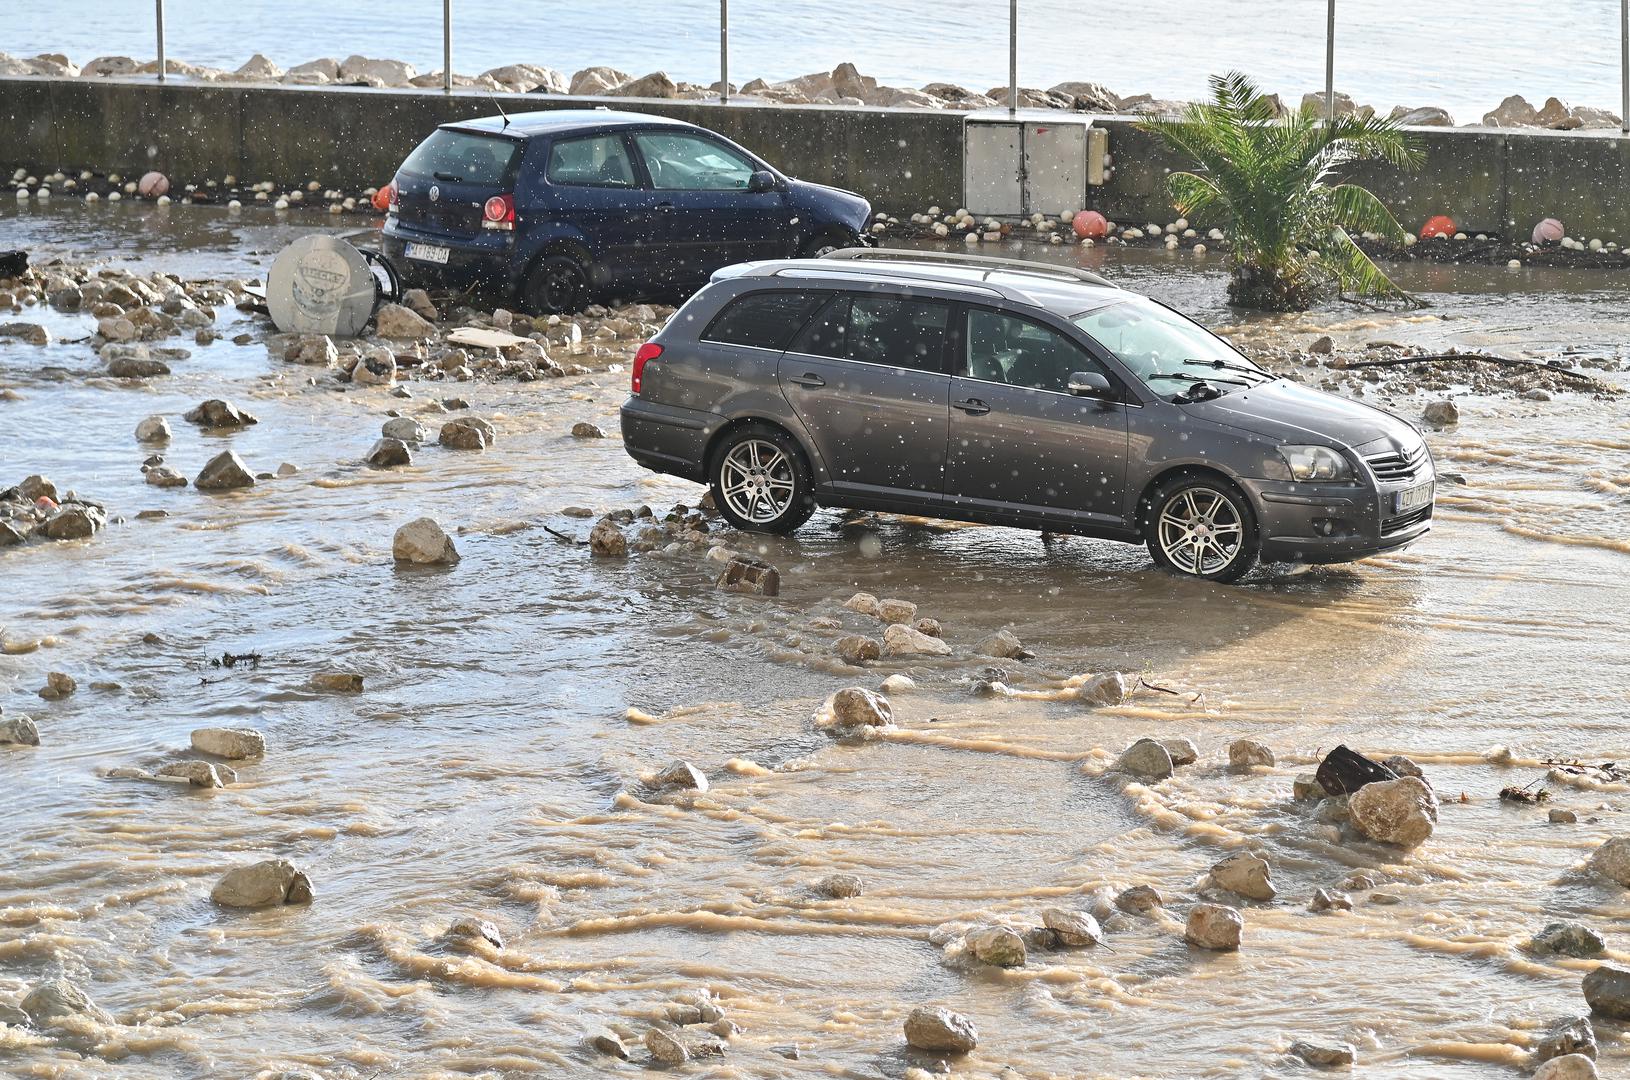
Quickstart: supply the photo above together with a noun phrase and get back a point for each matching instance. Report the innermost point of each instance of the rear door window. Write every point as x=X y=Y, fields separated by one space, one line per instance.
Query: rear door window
x=899 y=333
x=827 y=333
x=591 y=161
x=460 y=157
x=765 y=320
x=679 y=162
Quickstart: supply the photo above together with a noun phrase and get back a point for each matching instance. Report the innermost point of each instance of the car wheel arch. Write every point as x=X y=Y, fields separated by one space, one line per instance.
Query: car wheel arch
x=734 y=424
x=1197 y=471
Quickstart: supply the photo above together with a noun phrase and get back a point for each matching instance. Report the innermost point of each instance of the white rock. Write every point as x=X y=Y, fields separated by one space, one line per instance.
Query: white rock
x=1567 y=1067
x=153 y=429
x=1145 y=759
x=1072 y=927
x=1246 y=874
x=1401 y=812
x=1105 y=688
x=1214 y=926
x=902 y=640
x=234 y=744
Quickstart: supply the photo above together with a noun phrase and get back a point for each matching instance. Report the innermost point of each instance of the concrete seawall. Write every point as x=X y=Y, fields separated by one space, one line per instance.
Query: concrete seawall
x=1489 y=180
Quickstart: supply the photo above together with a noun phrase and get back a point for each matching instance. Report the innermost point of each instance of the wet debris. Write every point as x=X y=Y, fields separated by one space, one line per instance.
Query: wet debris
x=1607 y=772
x=1345 y=771
x=269 y=883
x=1527 y=793
x=232 y=660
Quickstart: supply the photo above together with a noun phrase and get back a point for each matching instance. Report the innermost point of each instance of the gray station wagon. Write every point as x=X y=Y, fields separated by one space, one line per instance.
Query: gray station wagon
x=1012 y=393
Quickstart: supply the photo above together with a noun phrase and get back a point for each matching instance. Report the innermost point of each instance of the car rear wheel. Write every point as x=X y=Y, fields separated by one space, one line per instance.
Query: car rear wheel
x=817 y=246
x=1201 y=526
x=760 y=480
x=557 y=285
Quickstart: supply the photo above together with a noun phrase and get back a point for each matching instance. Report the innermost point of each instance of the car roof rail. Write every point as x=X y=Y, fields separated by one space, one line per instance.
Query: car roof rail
x=902 y=275
x=988 y=262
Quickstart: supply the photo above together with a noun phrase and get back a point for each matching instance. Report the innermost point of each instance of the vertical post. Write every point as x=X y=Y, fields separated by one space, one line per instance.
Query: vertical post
x=447 y=46
x=1330 y=63
x=724 y=52
x=1013 y=55
x=1624 y=66
x=160 y=21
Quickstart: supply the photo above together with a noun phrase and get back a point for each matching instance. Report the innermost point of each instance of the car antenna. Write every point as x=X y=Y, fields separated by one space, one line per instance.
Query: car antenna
x=500 y=108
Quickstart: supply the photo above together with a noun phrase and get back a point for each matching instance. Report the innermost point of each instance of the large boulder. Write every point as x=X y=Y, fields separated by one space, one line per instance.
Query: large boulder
x=234 y=744
x=263 y=884
x=1426 y=116
x=1248 y=753
x=1514 y=111
x=1612 y=860
x=422 y=542
x=153 y=429
x=1401 y=812
x=387 y=453
x=369 y=72
x=940 y=1031
x=403 y=428
x=1214 y=926
x=596 y=81
x=1566 y=938
x=224 y=472
x=74 y=521
x=527 y=78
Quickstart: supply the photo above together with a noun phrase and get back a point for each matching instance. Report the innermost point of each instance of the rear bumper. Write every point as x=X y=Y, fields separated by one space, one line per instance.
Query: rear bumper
x=1316 y=523
x=668 y=438
x=486 y=262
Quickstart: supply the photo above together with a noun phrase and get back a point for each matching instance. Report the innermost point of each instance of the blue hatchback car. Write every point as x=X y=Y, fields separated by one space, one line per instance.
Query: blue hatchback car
x=550 y=209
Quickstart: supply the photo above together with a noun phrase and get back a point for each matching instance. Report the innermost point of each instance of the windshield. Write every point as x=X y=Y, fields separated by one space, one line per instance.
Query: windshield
x=1152 y=340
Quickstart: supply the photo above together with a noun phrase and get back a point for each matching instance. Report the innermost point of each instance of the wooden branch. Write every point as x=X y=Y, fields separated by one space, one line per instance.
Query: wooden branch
x=1481 y=358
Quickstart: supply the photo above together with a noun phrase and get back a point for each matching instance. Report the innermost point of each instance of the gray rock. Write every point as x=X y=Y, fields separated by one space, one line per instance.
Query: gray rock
x=1138 y=900
x=605 y=1042
x=132 y=362
x=461 y=435
x=1570 y=1035
x=58 y=685
x=998 y=946
x=680 y=774
x=1324 y=1055
x=839 y=886
x=388 y=453
x=58 y=999
x=902 y=640
x=1145 y=759
x=396 y=321
x=162 y=476
x=1558 y=816
x=1245 y=874
x=1214 y=926
x=34 y=333
x=1306 y=788
x=1612 y=860
x=1607 y=991
x=1004 y=645
x=857 y=649
x=854 y=707
x=224 y=472
x=1567 y=1067
x=234 y=744
x=1182 y=751
x=1404 y=766
x=940 y=1031
x=607 y=541
x=18 y=731
x=586 y=430
x=1105 y=688
x=1401 y=812
x=153 y=429
x=74 y=521
x=263 y=884
x=1568 y=939
x=471 y=929
x=864 y=603
x=1441 y=413
x=376 y=366
x=1248 y=753
x=664 y=1048
x=896 y=611
x=216 y=413
x=404 y=429
x=199 y=774
x=1330 y=900
x=1073 y=928
x=423 y=543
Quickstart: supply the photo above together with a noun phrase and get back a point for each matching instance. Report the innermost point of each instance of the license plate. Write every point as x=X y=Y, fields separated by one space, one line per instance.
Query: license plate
x=427 y=252
x=1413 y=499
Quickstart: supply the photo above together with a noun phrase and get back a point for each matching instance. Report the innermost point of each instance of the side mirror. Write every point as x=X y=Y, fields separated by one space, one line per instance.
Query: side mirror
x=1090 y=384
x=761 y=181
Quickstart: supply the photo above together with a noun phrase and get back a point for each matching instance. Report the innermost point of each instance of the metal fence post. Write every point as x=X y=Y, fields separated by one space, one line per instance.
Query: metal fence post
x=1330 y=63
x=724 y=52
x=160 y=21
x=1624 y=66
x=1013 y=55
x=447 y=46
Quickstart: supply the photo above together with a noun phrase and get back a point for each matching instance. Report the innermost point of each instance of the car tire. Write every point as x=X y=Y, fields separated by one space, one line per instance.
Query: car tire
x=1200 y=525
x=816 y=246
x=556 y=285
x=761 y=480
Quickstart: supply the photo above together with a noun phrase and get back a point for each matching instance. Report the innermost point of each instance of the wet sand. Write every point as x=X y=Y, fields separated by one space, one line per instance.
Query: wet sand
x=492 y=766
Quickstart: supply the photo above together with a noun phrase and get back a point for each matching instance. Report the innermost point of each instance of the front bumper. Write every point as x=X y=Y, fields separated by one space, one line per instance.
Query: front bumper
x=1327 y=523
x=485 y=262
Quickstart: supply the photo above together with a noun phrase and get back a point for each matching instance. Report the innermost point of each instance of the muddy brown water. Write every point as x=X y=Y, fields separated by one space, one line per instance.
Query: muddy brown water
x=493 y=764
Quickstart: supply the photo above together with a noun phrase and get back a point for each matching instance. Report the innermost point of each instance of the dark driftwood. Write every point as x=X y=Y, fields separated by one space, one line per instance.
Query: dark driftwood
x=1481 y=358
x=1344 y=771
x=13 y=263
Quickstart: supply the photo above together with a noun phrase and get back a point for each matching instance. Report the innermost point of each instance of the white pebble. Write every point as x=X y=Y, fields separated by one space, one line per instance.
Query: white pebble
x=1595 y=245
x=114 y=196
x=971 y=238
x=234 y=205
x=281 y=204
x=164 y=200
x=1086 y=241
x=1514 y=264
x=1199 y=249
x=92 y=197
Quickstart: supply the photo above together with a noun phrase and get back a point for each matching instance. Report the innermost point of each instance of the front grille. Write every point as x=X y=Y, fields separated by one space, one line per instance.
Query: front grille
x=1398 y=524
x=1395 y=467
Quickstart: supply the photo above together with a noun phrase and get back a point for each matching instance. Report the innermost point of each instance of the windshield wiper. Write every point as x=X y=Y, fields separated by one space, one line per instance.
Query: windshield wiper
x=1224 y=365
x=450 y=178
x=1181 y=377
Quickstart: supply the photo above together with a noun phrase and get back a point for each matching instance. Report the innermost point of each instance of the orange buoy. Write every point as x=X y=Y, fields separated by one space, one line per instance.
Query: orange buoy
x=1439 y=225
x=382 y=197
x=1090 y=225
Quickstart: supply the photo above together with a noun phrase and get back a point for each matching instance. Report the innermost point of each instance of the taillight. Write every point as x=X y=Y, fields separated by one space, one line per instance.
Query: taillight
x=499 y=213
x=648 y=352
x=393 y=199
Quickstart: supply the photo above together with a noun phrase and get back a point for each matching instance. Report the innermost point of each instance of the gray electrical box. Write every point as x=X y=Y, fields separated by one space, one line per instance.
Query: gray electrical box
x=1031 y=160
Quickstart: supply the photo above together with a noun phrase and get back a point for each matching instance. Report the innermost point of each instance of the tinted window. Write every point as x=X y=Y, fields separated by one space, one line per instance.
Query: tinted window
x=828 y=333
x=1018 y=352
x=591 y=161
x=459 y=157
x=902 y=333
x=766 y=320
x=679 y=162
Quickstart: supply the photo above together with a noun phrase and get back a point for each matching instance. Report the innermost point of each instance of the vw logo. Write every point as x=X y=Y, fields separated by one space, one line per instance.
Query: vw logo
x=435 y=192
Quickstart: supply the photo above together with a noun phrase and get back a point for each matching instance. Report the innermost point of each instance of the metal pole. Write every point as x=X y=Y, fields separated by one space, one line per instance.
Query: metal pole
x=1013 y=55
x=1330 y=64
x=1624 y=65
x=160 y=5
x=724 y=51
x=447 y=46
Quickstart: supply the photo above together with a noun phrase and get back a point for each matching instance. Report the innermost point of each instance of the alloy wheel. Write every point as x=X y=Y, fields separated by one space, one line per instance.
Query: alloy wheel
x=756 y=480
x=1200 y=531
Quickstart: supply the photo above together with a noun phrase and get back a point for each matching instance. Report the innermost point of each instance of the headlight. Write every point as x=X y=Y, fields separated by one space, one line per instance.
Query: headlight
x=1315 y=463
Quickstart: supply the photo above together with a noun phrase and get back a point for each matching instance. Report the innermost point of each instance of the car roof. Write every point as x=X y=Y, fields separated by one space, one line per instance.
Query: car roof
x=1057 y=288
x=553 y=121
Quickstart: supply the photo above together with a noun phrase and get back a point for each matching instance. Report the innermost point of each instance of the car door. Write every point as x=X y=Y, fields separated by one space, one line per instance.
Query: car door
x=596 y=191
x=1020 y=442
x=868 y=379
x=711 y=217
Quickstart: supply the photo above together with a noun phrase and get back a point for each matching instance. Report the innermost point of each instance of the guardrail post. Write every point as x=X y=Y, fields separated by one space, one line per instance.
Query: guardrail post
x=160 y=27
x=1330 y=63
x=1624 y=67
x=724 y=52
x=1013 y=56
x=447 y=46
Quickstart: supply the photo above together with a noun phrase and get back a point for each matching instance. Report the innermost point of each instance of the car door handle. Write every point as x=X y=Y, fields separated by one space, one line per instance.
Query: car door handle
x=972 y=406
x=809 y=379
x=665 y=207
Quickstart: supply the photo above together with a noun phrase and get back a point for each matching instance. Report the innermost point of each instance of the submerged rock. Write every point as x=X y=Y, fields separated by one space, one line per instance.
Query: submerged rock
x=1324 y=1055
x=60 y=998
x=1401 y=812
x=18 y=731
x=162 y=476
x=1246 y=874
x=1248 y=753
x=1570 y=1035
x=1145 y=759
x=1105 y=688
x=856 y=649
x=262 y=884
x=1004 y=645
x=839 y=886
x=463 y=434
x=902 y=640
x=1567 y=1067
x=1214 y=926
x=470 y=929
x=423 y=543
x=680 y=774
x=606 y=540
x=403 y=428
x=388 y=453
x=216 y=413
x=74 y=521
x=1607 y=991
x=609 y=1044
x=234 y=744
x=1568 y=939
x=940 y=1031
x=997 y=945
x=336 y=682
x=58 y=685
x=225 y=471
x=1182 y=751
x=200 y=774
x=1330 y=900
x=1073 y=928
x=664 y=1048
x=1612 y=860
x=1138 y=900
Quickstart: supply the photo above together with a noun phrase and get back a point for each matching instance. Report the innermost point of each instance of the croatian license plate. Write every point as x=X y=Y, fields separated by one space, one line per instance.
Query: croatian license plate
x=1413 y=499
x=427 y=252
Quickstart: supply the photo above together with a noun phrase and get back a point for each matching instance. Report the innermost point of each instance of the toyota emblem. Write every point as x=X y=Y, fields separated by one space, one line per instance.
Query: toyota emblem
x=435 y=192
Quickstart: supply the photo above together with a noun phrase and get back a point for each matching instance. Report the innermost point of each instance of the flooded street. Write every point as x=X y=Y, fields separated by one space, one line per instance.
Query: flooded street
x=516 y=704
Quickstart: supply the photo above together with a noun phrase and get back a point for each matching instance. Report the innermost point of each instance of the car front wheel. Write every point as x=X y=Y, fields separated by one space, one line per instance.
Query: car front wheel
x=760 y=480
x=1201 y=526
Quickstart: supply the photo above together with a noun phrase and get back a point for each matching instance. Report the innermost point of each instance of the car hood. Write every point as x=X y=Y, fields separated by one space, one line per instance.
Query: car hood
x=1292 y=413
x=840 y=203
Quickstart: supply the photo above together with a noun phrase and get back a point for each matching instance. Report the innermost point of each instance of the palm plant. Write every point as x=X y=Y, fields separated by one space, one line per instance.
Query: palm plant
x=1277 y=183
